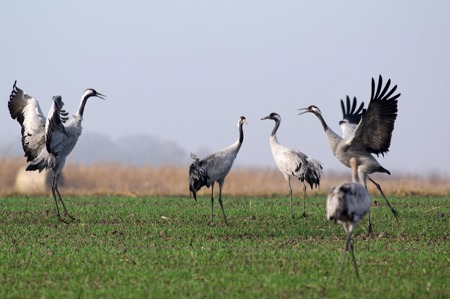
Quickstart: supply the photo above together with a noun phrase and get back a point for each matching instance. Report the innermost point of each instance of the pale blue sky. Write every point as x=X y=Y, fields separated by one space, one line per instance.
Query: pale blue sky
x=186 y=70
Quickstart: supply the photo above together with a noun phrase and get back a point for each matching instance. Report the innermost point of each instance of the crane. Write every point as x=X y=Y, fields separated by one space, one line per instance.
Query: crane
x=365 y=133
x=347 y=204
x=48 y=142
x=293 y=163
x=215 y=168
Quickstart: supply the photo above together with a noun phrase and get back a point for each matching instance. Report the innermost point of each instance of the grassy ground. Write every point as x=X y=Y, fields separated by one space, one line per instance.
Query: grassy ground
x=168 y=248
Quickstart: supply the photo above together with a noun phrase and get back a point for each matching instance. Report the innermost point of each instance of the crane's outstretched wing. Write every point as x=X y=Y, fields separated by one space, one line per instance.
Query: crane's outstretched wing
x=26 y=110
x=350 y=116
x=55 y=133
x=374 y=130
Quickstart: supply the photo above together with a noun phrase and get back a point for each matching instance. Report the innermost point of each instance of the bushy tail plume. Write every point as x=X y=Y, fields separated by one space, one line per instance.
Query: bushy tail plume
x=312 y=172
x=197 y=176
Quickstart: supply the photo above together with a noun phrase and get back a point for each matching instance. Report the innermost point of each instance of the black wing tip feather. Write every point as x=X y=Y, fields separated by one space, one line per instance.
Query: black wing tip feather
x=383 y=112
x=16 y=104
x=58 y=100
x=56 y=117
x=383 y=94
x=350 y=111
x=15 y=91
x=15 y=86
x=63 y=114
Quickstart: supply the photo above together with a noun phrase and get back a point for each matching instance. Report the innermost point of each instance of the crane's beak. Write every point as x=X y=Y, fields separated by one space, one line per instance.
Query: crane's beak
x=306 y=111
x=101 y=96
x=267 y=117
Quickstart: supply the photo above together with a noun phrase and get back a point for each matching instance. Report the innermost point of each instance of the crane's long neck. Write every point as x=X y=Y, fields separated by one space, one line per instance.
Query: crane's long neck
x=333 y=138
x=322 y=121
x=235 y=147
x=273 y=135
x=82 y=105
x=241 y=138
x=241 y=134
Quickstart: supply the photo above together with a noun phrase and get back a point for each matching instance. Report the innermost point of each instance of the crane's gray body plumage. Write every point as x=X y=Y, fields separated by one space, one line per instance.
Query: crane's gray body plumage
x=47 y=141
x=347 y=204
x=215 y=168
x=366 y=132
x=291 y=162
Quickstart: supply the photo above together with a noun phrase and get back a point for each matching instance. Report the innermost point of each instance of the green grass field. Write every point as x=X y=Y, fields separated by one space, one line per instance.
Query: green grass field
x=168 y=248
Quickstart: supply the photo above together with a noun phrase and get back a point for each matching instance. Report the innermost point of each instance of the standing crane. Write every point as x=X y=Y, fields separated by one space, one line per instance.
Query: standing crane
x=365 y=133
x=347 y=204
x=215 y=168
x=293 y=163
x=48 y=142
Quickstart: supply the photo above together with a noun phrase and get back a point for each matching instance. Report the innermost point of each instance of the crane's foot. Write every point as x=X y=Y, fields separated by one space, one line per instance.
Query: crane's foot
x=225 y=219
x=304 y=215
x=60 y=219
x=395 y=213
x=70 y=216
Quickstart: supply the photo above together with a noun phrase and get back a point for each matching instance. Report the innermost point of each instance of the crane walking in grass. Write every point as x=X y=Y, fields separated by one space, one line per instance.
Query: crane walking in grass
x=365 y=133
x=215 y=168
x=293 y=163
x=48 y=142
x=347 y=204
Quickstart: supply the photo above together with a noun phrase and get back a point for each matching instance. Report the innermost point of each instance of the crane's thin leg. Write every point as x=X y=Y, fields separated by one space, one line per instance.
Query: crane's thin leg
x=354 y=260
x=221 y=205
x=346 y=247
x=64 y=206
x=66 y=213
x=290 y=196
x=212 y=202
x=304 y=199
x=54 y=191
x=381 y=191
x=370 y=228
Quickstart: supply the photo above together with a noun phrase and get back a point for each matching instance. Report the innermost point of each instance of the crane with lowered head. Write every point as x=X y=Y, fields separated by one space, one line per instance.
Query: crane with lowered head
x=347 y=204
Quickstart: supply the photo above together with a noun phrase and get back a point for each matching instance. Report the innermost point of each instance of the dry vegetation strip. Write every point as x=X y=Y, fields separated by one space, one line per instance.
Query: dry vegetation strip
x=117 y=179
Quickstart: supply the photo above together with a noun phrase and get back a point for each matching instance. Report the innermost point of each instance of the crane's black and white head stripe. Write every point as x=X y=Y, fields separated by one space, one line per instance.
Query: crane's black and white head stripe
x=312 y=109
x=90 y=92
x=274 y=116
x=242 y=121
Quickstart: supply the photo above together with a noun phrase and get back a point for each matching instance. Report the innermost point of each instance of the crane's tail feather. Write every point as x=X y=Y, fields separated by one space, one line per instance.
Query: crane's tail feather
x=42 y=161
x=198 y=176
x=313 y=172
x=37 y=165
